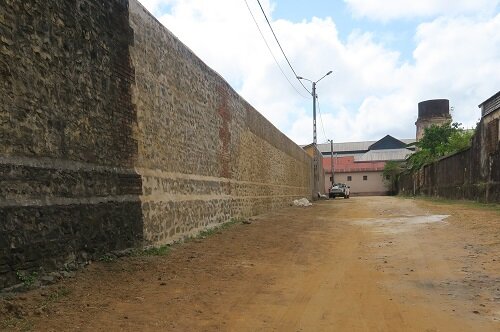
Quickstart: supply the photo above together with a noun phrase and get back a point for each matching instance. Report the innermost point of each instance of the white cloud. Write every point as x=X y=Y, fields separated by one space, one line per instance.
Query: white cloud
x=153 y=5
x=372 y=91
x=459 y=57
x=385 y=10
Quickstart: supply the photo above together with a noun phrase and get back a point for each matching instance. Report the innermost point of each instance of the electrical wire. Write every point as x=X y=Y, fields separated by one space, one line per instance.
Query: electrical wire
x=281 y=48
x=270 y=51
x=321 y=120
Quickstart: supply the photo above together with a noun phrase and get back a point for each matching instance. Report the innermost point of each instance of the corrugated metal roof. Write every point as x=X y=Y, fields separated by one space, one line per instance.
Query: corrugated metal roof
x=354 y=146
x=490 y=98
x=346 y=147
x=341 y=155
x=384 y=155
x=490 y=105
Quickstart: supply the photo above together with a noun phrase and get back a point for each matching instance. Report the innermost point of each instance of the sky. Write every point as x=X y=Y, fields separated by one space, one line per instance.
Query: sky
x=386 y=57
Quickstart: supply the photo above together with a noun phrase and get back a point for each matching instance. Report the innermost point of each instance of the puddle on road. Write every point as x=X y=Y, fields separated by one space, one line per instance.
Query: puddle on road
x=400 y=224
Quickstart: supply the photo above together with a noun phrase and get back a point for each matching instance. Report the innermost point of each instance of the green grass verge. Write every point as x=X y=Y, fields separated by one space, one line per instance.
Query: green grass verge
x=24 y=324
x=466 y=203
x=54 y=296
x=156 y=251
x=217 y=229
x=167 y=248
x=16 y=324
x=106 y=258
x=28 y=279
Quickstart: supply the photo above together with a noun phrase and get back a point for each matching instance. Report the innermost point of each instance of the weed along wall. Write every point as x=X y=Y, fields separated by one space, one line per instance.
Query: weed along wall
x=205 y=154
x=113 y=134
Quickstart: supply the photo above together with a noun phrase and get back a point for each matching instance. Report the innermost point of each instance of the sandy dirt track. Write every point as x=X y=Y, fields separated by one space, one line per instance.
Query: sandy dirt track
x=362 y=264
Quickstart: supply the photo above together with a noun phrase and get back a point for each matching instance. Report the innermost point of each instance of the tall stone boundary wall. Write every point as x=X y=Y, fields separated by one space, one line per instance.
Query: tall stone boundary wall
x=473 y=174
x=68 y=188
x=113 y=134
x=205 y=154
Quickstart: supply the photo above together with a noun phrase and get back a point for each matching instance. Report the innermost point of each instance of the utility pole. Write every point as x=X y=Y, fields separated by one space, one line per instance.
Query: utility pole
x=315 y=149
x=315 y=159
x=314 y=112
x=331 y=160
x=313 y=93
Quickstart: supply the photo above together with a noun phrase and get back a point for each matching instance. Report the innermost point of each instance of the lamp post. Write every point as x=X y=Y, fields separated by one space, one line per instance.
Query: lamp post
x=313 y=93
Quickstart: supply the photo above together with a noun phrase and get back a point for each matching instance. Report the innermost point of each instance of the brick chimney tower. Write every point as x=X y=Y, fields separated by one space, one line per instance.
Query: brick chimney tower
x=434 y=111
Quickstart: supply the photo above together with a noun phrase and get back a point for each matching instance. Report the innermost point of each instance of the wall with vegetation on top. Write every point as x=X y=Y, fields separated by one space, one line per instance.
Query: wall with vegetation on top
x=473 y=174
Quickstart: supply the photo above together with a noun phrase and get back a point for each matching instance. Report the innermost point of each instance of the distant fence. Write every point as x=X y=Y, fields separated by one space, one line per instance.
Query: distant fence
x=471 y=174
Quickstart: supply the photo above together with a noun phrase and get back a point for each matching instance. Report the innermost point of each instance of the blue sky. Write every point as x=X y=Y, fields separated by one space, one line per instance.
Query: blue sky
x=397 y=35
x=387 y=55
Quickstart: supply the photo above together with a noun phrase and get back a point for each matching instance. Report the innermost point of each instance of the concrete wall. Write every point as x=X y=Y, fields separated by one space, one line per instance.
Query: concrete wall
x=113 y=134
x=472 y=174
x=318 y=175
x=373 y=185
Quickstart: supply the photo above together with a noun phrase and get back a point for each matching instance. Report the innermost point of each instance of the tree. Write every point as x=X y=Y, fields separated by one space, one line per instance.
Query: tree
x=439 y=141
x=390 y=173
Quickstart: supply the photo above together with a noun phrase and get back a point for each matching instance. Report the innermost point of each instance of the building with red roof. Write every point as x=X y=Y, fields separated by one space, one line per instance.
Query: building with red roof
x=360 y=165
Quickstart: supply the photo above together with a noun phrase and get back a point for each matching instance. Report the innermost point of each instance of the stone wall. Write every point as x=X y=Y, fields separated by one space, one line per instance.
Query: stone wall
x=473 y=174
x=113 y=134
x=205 y=154
x=68 y=190
x=66 y=81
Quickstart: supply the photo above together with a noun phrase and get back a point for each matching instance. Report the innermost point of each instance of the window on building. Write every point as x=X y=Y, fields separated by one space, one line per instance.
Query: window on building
x=365 y=177
x=331 y=178
x=349 y=178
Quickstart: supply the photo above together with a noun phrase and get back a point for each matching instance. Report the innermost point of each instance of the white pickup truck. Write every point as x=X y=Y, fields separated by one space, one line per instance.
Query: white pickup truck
x=339 y=190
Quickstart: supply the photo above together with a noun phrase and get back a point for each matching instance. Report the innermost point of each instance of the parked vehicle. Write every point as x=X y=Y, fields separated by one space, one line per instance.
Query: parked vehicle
x=339 y=190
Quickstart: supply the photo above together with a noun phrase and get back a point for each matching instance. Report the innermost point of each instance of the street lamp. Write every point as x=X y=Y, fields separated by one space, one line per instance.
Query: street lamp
x=314 y=101
x=313 y=93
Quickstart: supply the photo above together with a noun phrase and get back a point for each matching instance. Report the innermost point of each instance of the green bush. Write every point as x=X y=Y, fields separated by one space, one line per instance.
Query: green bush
x=439 y=141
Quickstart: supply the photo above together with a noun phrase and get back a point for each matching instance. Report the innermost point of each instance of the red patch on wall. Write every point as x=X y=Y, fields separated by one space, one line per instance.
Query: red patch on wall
x=224 y=133
x=347 y=164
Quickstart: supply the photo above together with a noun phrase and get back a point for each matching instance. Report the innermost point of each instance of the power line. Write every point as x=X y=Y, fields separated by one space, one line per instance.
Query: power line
x=281 y=48
x=270 y=51
x=321 y=119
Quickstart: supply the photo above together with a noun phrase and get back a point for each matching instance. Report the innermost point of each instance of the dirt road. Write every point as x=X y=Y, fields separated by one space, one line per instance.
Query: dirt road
x=363 y=264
